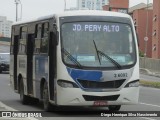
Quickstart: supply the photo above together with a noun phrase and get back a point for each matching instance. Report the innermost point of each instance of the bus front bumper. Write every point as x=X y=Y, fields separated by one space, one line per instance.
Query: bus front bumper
x=78 y=97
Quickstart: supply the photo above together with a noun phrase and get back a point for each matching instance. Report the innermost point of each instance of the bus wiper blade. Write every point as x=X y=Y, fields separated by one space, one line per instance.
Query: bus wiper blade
x=109 y=58
x=71 y=58
x=97 y=52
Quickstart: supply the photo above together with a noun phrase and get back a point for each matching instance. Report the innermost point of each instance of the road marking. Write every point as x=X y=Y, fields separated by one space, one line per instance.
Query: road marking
x=148 y=118
x=150 y=104
x=7 y=108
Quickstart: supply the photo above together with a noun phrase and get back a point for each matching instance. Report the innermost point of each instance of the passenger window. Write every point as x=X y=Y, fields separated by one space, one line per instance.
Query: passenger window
x=44 y=40
x=38 y=34
x=22 y=43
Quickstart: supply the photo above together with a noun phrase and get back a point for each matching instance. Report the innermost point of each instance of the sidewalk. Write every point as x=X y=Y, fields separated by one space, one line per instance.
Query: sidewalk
x=4 y=43
x=149 y=72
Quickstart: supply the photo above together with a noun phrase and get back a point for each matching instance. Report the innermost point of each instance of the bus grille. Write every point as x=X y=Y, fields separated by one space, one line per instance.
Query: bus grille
x=101 y=85
x=99 y=98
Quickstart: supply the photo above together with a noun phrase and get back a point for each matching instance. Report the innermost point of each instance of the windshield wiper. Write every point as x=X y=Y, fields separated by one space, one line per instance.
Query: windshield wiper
x=97 y=52
x=111 y=59
x=106 y=56
x=71 y=58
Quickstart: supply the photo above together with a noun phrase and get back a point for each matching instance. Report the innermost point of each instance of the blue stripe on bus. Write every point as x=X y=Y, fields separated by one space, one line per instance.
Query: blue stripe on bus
x=85 y=74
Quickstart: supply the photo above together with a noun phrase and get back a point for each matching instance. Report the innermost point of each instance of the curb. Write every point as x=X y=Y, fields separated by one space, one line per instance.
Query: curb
x=148 y=72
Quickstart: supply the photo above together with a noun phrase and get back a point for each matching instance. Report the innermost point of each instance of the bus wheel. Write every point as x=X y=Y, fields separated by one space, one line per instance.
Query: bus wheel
x=46 y=104
x=23 y=98
x=114 y=107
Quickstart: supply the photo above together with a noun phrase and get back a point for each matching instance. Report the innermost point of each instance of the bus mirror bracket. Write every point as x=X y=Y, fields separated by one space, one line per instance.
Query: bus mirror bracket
x=56 y=33
x=57 y=37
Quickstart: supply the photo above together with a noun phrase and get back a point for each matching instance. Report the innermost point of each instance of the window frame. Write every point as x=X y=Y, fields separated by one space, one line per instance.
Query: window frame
x=23 y=40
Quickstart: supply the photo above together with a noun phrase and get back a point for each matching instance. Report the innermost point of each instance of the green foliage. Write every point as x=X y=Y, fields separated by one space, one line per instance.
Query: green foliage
x=150 y=83
x=141 y=54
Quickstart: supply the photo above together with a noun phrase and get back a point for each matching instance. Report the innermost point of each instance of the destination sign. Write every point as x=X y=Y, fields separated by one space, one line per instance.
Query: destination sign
x=96 y=28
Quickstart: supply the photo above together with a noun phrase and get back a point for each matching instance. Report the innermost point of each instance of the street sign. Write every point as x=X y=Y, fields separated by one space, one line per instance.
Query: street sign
x=145 y=38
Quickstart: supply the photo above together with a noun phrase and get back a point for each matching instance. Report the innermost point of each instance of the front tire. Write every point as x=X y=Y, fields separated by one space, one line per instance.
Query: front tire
x=46 y=104
x=114 y=107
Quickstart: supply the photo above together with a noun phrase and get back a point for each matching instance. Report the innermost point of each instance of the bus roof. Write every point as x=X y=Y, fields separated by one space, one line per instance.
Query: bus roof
x=77 y=13
x=34 y=20
x=93 y=13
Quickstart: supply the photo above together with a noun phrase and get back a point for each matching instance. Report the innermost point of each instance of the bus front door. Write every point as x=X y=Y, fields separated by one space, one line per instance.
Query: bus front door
x=30 y=42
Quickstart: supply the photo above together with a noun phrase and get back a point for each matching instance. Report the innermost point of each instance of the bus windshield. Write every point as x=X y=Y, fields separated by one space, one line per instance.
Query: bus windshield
x=98 y=44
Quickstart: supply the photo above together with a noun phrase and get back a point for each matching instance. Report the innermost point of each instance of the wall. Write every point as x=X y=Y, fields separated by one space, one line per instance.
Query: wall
x=106 y=7
x=91 y=4
x=150 y=63
x=139 y=18
x=156 y=29
x=119 y=3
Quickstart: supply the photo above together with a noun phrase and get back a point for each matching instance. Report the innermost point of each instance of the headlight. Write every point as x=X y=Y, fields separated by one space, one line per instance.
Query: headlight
x=133 y=84
x=66 y=84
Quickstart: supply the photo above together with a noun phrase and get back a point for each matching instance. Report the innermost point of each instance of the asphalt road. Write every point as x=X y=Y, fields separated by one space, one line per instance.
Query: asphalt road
x=149 y=100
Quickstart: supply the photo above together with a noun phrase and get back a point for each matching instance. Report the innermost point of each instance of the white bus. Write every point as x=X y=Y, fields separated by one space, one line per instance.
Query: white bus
x=78 y=58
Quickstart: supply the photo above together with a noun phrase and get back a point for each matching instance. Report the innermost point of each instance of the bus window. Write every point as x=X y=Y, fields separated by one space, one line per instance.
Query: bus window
x=38 y=34
x=44 y=40
x=22 y=43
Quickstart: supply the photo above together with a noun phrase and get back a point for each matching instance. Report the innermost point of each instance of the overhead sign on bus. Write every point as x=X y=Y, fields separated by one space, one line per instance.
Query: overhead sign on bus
x=97 y=28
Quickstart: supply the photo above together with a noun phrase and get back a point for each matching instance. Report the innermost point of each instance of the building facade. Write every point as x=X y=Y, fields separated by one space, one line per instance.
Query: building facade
x=156 y=30
x=5 y=27
x=144 y=29
x=91 y=4
x=151 y=15
x=117 y=6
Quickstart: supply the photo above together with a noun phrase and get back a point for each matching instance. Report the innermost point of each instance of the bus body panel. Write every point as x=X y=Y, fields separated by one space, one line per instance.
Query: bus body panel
x=22 y=70
x=81 y=95
x=74 y=96
x=40 y=71
x=11 y=71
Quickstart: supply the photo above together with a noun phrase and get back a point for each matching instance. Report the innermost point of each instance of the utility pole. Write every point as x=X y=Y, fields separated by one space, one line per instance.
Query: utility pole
x=146 y=37
x=64 y=5
x=16 y=2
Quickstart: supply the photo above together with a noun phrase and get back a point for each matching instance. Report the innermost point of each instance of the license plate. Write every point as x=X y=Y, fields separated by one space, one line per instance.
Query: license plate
x=100 y=103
